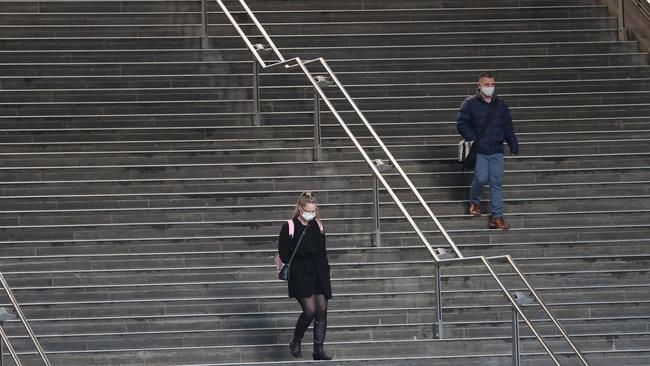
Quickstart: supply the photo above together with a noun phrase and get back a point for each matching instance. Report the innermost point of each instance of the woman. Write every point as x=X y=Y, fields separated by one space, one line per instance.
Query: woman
x=309 y=278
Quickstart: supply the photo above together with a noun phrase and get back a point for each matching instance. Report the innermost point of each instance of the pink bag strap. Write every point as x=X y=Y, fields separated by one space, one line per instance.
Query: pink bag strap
x=291 y=227
x=290 y=222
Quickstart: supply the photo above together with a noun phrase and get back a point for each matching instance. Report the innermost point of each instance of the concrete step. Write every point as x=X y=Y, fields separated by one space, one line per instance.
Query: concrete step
x=130 y=130
x=241 y=54
x=207 y=207
x=192 y=40
x=219 y=228
x=411 y=166
x=376 y=116
x=202 y=315
x=270 y=336
x=41 y=18
x=415 y=72
x=98 y=6
x=324 y=181
x=210 y=154
x=424 y=11
x=297 y=26
x=522 y=105
x=338 y=334
x=497 y=354
x=542 y=276
x=284 y=94
x=77 y=69
x=59 y=272
x=335 y=196
x=409 y=4
x=44 y=31
x=101 y=43
x=190 y=26
x=597 y=241
x=184 y=5
x=84 y=142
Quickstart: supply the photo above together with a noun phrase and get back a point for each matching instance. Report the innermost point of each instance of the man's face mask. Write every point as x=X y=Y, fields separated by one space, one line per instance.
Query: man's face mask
x=487 y=90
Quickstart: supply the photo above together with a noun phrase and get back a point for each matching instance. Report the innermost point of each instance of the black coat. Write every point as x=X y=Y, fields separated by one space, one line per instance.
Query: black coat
x=310 y=267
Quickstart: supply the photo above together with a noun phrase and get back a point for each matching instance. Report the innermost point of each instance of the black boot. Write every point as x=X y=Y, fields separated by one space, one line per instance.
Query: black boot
x=320 y=326
x=301 y=326
x=294 y=347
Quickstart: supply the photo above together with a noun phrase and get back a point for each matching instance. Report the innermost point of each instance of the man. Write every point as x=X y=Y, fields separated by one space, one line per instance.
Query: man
x=489 y=159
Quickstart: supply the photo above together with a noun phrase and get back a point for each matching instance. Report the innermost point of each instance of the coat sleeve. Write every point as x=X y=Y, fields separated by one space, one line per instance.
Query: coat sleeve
x=325 y=248
x=464 y=121
x=284 y=243
x=509 y=132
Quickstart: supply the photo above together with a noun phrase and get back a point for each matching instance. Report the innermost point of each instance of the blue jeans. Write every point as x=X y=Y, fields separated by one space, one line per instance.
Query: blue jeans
x=489 y=169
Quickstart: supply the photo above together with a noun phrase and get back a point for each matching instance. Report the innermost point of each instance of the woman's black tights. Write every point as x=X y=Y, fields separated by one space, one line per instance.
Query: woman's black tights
x=313 y=307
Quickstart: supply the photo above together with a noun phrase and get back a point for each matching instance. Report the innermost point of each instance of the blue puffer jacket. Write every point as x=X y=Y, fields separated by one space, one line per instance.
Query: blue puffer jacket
x=470 y=117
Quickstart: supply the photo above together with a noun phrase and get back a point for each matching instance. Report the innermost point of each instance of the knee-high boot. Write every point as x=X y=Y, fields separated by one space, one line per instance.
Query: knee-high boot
x=301 y=326
x=320 y=327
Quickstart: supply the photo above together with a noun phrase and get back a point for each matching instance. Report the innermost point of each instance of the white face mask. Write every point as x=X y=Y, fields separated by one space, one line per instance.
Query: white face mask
x=488 y=91
x=308 y=216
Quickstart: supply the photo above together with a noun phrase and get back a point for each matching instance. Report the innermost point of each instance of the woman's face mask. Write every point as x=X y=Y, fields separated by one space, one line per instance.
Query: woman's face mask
x=308 y=212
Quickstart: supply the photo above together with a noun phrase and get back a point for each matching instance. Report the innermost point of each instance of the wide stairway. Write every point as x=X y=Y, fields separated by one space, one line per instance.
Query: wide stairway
x=140 y=205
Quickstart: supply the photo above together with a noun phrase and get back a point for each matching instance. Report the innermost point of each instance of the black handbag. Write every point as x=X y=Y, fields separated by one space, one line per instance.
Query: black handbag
x=467 y=149
x=285 y=270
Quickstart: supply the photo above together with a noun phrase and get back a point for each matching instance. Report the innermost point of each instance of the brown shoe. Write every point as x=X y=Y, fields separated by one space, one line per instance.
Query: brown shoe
x=474 y=209
x=498 y=223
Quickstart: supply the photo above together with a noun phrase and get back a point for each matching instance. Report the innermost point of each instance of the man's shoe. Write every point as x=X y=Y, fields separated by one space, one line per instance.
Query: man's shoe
x=498 y=223
x=474 y=209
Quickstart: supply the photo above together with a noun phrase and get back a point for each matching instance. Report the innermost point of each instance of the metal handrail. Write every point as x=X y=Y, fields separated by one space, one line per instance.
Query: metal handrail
x=298 y=62
x=543 y=305
x=7 y=344
x=23 y=320
x=243 y=35
x=644 y=7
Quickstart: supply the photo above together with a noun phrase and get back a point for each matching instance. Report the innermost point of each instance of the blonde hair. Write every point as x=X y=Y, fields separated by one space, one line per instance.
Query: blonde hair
x=305 y=199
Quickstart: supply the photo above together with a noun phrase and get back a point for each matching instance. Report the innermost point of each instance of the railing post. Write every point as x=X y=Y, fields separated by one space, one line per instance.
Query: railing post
x=438 y=327
x=317 y=131
x=204 y=24
x=516 y=359
x=375 y=211
x=622 y=32
x=256 y=94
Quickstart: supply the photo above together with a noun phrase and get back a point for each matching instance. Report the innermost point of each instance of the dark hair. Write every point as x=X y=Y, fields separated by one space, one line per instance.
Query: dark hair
x=486 y=74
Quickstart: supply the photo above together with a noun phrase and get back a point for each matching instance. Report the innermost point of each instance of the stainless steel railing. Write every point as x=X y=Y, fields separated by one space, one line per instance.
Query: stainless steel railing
x=25 y=323
x=644 y=7
x=297 y=62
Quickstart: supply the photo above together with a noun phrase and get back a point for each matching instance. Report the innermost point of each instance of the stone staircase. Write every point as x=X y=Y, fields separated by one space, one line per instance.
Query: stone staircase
x=140 y=206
